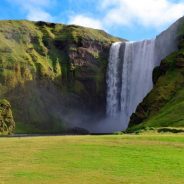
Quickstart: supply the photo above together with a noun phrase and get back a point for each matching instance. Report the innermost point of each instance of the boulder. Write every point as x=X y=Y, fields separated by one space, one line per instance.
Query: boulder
x=7 y=123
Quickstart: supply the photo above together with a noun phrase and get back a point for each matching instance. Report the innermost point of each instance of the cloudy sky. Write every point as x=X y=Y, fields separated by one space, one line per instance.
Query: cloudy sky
x=130 y=19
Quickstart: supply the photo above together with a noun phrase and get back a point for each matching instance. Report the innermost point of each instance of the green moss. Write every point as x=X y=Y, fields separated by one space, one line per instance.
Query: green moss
x=79 y=87
x=7 y=124
x=5 y=102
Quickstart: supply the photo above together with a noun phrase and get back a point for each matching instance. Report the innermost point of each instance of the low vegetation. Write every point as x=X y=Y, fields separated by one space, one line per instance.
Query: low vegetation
x=115 y=159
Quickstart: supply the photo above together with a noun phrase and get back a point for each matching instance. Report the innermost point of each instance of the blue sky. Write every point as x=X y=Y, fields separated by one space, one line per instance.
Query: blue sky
x=130 y=19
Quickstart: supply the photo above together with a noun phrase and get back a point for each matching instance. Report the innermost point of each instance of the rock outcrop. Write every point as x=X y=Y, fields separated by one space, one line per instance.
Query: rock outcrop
x=7 y=124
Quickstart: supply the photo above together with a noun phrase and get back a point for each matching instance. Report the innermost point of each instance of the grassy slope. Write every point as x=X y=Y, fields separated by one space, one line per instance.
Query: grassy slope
x=93 y=159
x=171 y=115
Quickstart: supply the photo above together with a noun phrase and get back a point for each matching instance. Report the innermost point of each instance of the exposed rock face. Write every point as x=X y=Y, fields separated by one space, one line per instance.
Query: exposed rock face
x=53 y=74
x=7 y=124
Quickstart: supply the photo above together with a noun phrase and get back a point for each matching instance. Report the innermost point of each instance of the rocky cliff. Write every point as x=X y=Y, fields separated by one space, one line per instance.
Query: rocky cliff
x=53 y=74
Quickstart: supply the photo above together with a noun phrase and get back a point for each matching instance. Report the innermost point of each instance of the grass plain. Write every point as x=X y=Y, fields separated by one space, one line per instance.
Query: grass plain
x=110 y=159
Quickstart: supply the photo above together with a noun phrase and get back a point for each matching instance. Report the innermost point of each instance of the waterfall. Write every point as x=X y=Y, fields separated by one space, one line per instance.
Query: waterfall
x=138 y=64
x=129 y=73
x=113 y=80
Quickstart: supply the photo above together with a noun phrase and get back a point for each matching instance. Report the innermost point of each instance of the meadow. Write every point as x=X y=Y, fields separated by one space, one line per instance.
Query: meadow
x=109 y=159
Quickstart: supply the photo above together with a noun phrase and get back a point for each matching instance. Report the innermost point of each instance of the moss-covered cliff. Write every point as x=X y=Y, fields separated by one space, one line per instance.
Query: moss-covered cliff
x=52 y=72
x=164 y=105
x=7 y=124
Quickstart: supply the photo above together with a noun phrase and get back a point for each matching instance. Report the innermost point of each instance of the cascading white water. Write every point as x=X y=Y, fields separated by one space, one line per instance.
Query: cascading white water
x=129 y=77
x=113 y=80
x=129 y=73
x=138 y=64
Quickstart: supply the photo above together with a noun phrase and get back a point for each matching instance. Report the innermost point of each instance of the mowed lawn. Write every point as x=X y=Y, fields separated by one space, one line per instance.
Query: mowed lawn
x=114 y=159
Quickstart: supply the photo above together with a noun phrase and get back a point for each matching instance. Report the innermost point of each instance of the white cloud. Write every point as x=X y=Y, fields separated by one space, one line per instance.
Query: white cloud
x=35 y=9
x=38 y=14
x=148 y=13
x=85 y=21
x=154 y=13
x=113 y=13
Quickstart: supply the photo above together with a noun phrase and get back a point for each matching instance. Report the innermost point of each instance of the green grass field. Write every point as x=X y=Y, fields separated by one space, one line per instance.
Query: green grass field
x=114 y=159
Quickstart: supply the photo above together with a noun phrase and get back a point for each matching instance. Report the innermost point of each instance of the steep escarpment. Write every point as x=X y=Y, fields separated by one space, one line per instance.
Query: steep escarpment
x=164 y=105
x=53 y=74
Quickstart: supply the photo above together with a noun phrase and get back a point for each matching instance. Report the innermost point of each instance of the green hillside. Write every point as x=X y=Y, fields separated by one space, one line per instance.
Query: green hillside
x=48 y=71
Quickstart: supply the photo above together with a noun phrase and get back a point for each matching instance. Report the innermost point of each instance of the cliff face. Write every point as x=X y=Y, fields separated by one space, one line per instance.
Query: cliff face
x=164 y=105
x=53 y=74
